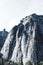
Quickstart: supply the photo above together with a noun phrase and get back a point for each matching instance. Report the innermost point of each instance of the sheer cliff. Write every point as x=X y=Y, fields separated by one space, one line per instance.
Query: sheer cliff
x=25 y=41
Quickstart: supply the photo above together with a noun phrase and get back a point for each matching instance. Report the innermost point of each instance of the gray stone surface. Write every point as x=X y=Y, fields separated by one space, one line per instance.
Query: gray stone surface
x=25 y=41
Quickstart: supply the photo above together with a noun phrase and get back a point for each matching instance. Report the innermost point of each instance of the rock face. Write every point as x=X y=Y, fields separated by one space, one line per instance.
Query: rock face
x=25 y=41
x=3 y=35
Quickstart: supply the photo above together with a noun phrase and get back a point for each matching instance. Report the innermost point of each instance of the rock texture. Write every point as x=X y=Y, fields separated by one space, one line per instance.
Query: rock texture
x=25 y=41
x=3 y=36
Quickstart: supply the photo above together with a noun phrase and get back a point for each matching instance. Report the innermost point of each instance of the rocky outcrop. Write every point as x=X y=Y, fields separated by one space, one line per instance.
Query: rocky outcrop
x=25 y=41
x=3 y=36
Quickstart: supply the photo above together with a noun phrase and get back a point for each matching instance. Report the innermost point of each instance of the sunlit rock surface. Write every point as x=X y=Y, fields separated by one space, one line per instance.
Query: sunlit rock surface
x=25 y=41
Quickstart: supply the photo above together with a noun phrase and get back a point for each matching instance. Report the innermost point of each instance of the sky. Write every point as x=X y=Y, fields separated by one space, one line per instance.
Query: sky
x=12 y=11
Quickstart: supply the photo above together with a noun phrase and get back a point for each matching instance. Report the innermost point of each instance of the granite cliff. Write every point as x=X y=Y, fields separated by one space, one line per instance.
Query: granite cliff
x=25 y=41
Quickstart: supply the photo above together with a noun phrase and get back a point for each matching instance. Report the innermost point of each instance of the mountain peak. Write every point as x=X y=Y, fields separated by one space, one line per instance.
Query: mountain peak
x=28 y=18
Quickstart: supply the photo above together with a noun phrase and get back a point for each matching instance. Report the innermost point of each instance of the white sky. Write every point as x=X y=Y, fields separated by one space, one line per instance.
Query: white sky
x=12 y=11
